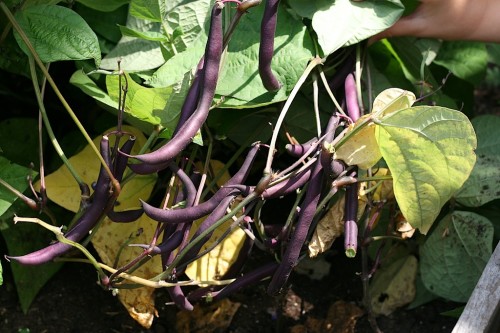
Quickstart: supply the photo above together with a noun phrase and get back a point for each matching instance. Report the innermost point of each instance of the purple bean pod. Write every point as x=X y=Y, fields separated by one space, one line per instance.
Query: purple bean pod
x=192 y=97
x=247 y=280
x=188 y=130
x=167 y=246
x=351 y=98
x=126 y=216
x=350 y=217
x=83 y=225
x=299 y=235
x=178 y=297
x=216 y=215
x=266 y=46
x=338 y=79
x=196 y=212
x=121 y=160
x=298 y=150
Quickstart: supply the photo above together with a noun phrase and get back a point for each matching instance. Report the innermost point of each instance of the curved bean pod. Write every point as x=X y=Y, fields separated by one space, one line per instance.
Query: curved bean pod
x=196 y=212
x=306 y=215
x=188 y=130
x=266 y=46
x=84 y=224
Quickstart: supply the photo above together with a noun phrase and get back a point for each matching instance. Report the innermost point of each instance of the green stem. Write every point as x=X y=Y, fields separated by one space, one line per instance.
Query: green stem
x=314 y=62
x=60 y=237
x=65 y=104
x=48 y=126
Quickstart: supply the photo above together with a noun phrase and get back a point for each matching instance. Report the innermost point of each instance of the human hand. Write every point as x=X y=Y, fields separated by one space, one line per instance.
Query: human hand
x=451 y=20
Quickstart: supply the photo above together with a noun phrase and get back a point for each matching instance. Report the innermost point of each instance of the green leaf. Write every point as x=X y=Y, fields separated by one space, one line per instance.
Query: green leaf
x=346 y=22
x=147 y=35
x=15 y=176
x=430 y=152
x=135 y=54
x=185 y=21
x=467 y=60
x=156 y=106
x=483 y=185
x=397 y=282
x=146 y=9
x=177 y=66
x=89 y=87
x=22 y=131
x=239 y=82
x=58 y=33
x=24 y=238
x=104 y=6
x=455 y=254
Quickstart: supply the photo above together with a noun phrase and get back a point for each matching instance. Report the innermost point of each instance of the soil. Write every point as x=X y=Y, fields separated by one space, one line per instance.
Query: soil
x=72 y=302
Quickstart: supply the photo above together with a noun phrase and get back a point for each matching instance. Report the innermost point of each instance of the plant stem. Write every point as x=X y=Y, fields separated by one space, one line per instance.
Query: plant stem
x=65 y=104
x=314 y=62
x=48 y=126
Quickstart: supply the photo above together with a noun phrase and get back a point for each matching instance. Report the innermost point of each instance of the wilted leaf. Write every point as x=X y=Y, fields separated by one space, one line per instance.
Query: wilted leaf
x=394 y=285
x=111 y=238
x=341 y=318
x=207 y=319
x=384 y=190
x=329 y=228
x=455 y=254
x=430 y=152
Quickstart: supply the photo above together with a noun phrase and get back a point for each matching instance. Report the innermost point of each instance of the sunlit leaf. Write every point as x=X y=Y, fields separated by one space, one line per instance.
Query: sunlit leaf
x=344 y=22
x=430 y=152
x=394 y=285
x=361 y=148
x=156 y=106
x=392 y=99
x=455 y=254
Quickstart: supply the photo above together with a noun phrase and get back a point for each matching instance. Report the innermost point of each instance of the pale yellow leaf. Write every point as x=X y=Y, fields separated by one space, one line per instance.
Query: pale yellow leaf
x=392 y=99
x=361 y=148
x=329 y=228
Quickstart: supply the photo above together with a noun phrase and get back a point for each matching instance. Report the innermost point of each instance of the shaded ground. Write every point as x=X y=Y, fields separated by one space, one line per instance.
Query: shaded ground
x=73 y=302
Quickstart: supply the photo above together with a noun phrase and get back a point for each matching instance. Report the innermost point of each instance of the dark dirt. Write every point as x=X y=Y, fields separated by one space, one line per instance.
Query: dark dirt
x=72 y=302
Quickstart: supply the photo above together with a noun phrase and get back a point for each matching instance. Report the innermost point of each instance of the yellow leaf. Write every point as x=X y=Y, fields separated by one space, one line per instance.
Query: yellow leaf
x=215 y=264
x=329 y=228
x=392 y=99
x=361 y=148
x=61 y=186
